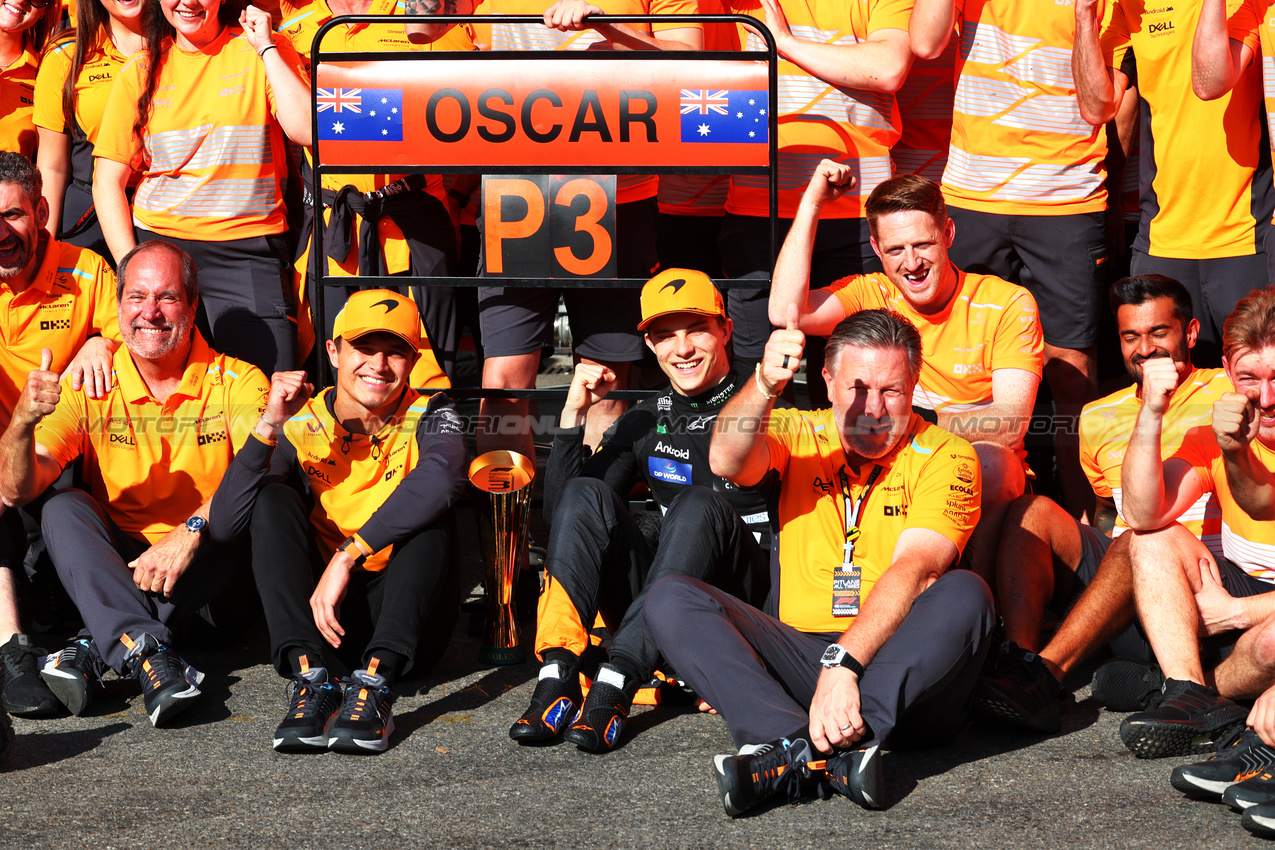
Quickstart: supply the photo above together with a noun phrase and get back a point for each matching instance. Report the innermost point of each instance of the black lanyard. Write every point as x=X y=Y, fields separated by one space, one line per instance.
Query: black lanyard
x=846 y=578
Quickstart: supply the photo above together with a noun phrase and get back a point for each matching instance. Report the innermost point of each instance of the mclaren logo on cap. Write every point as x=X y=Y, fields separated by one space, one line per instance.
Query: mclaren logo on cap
x=676 y=284
x=389 y=303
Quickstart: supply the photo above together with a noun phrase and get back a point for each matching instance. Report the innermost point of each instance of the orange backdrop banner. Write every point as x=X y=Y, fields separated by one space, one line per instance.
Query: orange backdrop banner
x=592 y=111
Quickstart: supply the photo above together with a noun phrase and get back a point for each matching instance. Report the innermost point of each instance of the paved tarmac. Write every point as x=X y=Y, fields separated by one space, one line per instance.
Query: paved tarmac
x=452 y=777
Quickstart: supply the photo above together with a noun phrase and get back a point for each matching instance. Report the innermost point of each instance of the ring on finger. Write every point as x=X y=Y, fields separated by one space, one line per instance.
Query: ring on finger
x=785 y=363
x=846 y=728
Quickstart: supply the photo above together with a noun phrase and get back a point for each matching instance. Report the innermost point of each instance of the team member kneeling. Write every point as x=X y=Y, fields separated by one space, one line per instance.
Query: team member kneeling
x=131 y=552
x=598 y=558
x=877 y=640
x=382 y=465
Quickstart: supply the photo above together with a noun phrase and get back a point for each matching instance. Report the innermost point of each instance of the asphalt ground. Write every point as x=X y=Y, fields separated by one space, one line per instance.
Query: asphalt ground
x=452 y=777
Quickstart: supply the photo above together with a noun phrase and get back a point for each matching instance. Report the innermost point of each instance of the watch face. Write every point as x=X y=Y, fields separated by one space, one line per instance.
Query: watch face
x=196 y=523
x=832 y=656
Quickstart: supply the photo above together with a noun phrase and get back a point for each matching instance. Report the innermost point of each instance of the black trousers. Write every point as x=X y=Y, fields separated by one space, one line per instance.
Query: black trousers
x=409 y=608
x=91 y=555
x=598 y=555
x=760 y=674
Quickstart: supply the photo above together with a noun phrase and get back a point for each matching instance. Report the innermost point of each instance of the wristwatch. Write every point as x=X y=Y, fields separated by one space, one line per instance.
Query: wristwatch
x=351 y=548
x=197 y=525
x=837 y=656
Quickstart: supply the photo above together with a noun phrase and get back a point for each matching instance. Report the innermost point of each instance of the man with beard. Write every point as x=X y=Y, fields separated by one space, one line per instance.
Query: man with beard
x=58 y=298
x=981 y=334
x=877 y=641
x=131 y=552
x=1047 y=558
x=1182 y=590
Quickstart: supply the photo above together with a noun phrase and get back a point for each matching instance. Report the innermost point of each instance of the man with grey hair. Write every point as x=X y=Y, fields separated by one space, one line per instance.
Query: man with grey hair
x=875 y=640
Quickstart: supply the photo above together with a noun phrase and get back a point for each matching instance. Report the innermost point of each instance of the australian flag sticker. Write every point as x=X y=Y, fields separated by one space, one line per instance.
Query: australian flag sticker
x=360 y=115
x=663 y=469
x=719 y=116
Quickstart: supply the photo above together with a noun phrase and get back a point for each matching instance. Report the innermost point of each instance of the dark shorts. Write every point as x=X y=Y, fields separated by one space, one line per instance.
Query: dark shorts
x=1239 y=583
x=1131 y=643
x=1059 y=259
x=1215 y=285
x=603 y=321
x=842 y=247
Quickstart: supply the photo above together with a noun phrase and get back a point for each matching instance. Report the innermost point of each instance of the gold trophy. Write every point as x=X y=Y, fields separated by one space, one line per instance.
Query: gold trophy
x=502 y=481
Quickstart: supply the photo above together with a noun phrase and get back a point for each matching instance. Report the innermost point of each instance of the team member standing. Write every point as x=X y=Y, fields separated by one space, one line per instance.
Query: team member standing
x=70 y=97
x=369 y=230
x=517 y=323
x=202 y=119
x=1207 y=196
x=840 y=65
x=382 y=464
x=131 y=552
x=1025 y=181
x=25 y=27
x=981 y=335
x=599 y=559
x=876 y=641
x=56 y=298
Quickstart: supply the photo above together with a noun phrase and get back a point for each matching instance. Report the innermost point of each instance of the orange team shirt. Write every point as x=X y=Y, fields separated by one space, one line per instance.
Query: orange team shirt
x=1199 y=158
x=351 y=475
x=925 y=108
x=71 y=298
x=1105 y=427
x=989 y=324
x=1246 y=542
x=301 y=23
x=701 y=195
x=92 y=89
x=818 y=120
x=930 y=480
x=1254 y=18
x=17 y=99
x=628 y=187
x=1019 y=145
x=150 y=464
x=214 y=156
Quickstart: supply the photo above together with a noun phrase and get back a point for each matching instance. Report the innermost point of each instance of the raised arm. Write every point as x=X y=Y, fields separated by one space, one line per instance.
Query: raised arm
x=26 y=467
x=1155 y=492
x=1099 y=88
x=739 y=452
x=930 y=27
x=1217 y=60
x=1235 y=424
x=879 y=63
x=291 y=91
x=424 y=33
x=817 y=312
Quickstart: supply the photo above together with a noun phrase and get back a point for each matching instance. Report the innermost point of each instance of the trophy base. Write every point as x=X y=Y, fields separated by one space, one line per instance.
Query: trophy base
x=501 y=655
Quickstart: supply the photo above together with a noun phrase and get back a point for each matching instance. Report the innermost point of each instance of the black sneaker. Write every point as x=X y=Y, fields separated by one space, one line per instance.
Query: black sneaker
x=1259 y=820
x=1240 y=757
x=1125 y=685
x=1255 y=791
x=748 y=779
x=24 y=694
x=857 y=774
x=72 y=673
x=313 y=701
x=553 y=704
x=365 y=722
x=1020 y=690
x=169 y=685
x=599 y=722
x=1188 y=719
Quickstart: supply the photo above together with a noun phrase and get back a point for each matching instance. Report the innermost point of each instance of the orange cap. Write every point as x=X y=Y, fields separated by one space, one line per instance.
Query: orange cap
x=679 y=291
x=378 y=310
